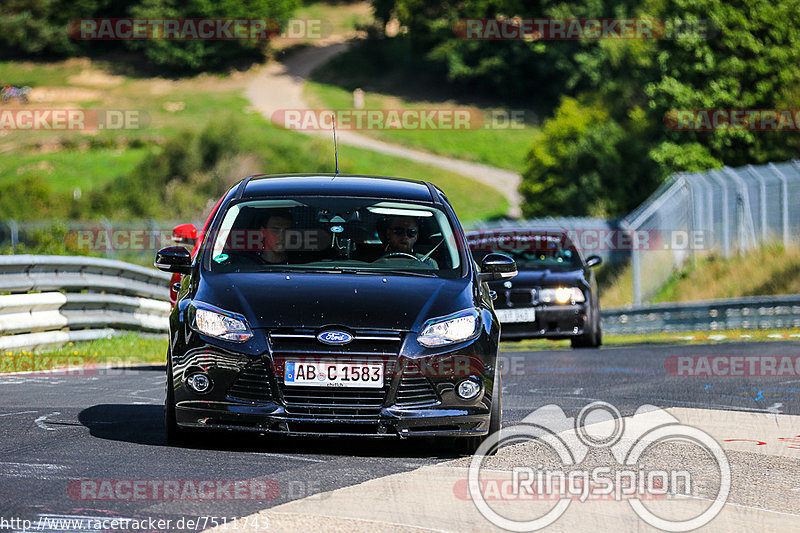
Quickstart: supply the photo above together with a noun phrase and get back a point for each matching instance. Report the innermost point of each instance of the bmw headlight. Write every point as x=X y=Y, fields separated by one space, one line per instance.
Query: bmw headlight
x=561 y=295
x=443 y=330
x=216 y=322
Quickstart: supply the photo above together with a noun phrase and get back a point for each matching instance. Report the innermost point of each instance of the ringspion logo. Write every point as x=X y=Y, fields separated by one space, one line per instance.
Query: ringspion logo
x=633 y=442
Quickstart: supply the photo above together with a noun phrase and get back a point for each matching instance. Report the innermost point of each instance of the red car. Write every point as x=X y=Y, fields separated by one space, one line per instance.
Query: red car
x=187 y=234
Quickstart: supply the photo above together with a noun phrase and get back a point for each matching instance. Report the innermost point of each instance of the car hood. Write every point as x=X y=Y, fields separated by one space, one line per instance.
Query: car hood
x=357 y=301
x=544 y=278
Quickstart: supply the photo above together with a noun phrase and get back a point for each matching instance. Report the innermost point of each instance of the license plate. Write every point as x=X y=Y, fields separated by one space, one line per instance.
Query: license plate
x=319 y=374
x=523 y=314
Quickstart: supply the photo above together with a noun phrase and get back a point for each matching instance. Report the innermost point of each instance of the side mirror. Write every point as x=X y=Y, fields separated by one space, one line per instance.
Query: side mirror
x=497 y=267
x=185 y=234
x=174 y=259
x=593 y=261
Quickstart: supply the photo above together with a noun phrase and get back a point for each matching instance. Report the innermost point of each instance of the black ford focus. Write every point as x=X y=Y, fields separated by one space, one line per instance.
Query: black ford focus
x=334 y=305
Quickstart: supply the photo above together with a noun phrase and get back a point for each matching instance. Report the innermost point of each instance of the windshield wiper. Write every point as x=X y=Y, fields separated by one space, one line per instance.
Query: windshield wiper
x=399 y=273
x=313 y=270
x=347 y=270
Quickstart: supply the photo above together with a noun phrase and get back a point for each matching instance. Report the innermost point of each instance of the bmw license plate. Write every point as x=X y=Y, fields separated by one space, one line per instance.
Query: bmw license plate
x=523 y=314
x=320 y=374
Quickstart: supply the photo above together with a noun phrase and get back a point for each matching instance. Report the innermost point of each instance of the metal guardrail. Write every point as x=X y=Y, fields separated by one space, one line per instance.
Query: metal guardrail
x=55 y=299
x=762 y=312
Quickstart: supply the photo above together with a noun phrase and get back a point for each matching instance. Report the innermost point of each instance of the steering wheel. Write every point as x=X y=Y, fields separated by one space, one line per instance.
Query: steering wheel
x=402 y=254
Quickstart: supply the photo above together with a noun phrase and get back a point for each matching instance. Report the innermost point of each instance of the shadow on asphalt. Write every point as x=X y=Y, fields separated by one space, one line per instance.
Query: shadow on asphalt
x=144 y=424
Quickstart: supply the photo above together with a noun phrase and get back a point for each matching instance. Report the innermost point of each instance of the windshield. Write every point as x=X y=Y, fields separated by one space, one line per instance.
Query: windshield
x=531 y=251
x=335 y=235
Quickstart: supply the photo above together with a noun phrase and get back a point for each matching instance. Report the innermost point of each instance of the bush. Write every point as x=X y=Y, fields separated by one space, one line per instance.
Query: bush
x=201 y=54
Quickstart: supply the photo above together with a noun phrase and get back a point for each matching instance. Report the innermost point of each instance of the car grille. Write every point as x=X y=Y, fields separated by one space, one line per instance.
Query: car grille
x=368 y=346
x=415 y=391
x=334 y=402
x=304 y=342
x=252 y=384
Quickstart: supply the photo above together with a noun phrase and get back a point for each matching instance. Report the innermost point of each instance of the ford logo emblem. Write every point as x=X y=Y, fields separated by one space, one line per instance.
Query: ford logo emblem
x=334 y=337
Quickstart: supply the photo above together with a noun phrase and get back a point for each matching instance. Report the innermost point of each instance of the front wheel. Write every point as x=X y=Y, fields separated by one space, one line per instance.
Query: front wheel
x=592 y=336
x=172 y=431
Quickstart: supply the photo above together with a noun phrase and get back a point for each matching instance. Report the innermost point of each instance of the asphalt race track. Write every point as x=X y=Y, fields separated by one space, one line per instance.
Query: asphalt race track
x=59 y=430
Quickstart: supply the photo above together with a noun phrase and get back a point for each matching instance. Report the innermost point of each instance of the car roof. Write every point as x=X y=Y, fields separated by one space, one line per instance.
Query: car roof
x=261 y=185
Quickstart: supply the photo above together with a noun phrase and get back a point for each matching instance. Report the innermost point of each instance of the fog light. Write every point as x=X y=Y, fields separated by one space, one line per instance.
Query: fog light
x=199 y=382
x=468 y=389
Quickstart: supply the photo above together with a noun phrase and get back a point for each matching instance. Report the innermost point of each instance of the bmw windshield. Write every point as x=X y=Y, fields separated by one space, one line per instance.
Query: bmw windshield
x=532 y=251
x=335 y=234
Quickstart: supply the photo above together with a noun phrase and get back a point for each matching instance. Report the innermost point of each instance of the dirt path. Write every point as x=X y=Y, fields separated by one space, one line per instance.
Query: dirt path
x=280 y=86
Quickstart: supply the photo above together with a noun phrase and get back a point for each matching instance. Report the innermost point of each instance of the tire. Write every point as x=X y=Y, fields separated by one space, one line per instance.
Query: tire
x=172 y=431
x=496 y=417
x=599 y=335
x=592 y=337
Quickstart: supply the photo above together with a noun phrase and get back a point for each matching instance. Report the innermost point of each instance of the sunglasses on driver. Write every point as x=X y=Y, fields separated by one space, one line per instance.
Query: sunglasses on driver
x=409 y=232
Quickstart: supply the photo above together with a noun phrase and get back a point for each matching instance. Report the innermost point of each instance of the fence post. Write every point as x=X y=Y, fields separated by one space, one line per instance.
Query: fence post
x=692 y=211
x=14 y=229
x=726 y=229
x=762 y=195
x=743 y=197
x=636 y=265
x=110 y=252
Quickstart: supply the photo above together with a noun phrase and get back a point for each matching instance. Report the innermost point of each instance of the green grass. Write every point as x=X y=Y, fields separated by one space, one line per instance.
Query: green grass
x=472 y=200
x=22 y=73
x=616 y=288
x=68 y=160
x=339 y=17
x=70 y=169
x=126 y=349
x=771 y=269
x=495 y=141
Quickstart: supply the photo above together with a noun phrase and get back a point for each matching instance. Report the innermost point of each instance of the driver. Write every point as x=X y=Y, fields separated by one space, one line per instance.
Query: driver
x=400 y=235
x=274 y=230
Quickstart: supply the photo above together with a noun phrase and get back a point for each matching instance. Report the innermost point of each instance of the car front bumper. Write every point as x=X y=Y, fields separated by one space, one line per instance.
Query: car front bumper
x=417 y=398
x=552 y=322
x=392 y=422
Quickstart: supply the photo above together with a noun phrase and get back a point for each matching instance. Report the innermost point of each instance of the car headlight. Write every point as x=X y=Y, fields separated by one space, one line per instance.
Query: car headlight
x=216 y=322
x=561 y=295
x=443 y=330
